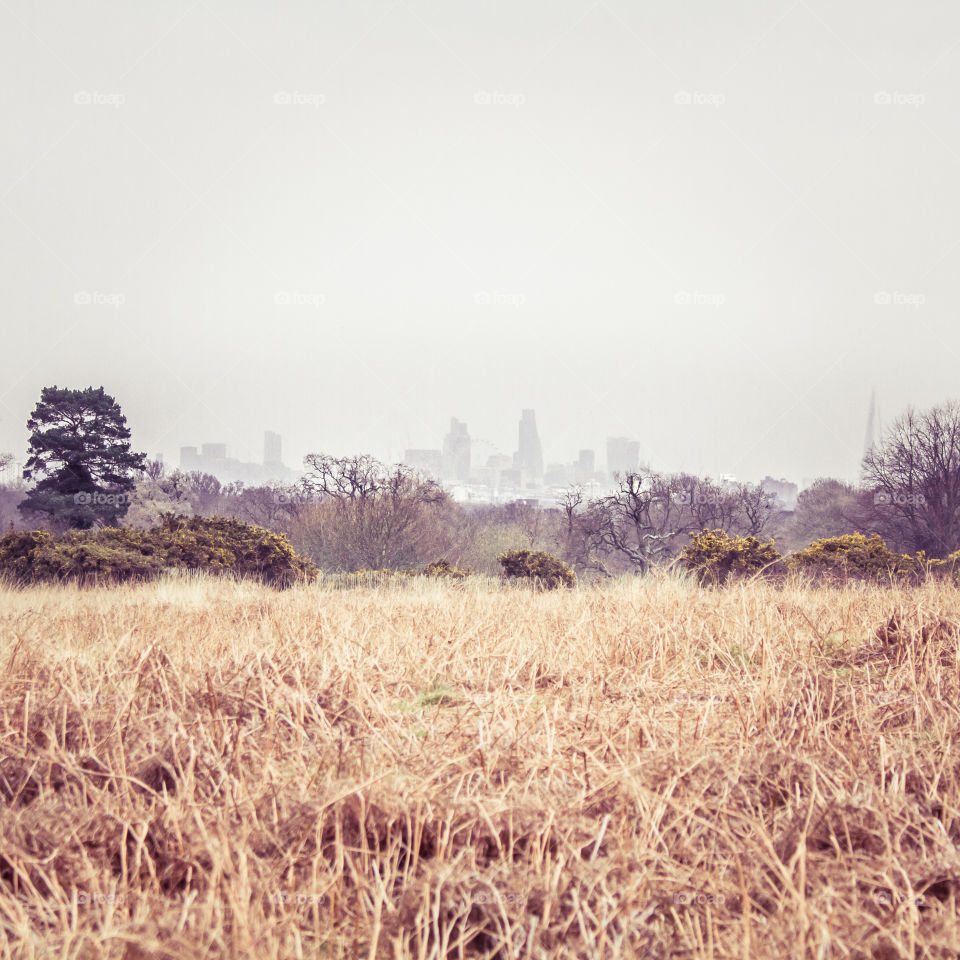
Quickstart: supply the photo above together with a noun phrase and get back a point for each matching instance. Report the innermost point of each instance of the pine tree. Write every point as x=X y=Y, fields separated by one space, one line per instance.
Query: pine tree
x=80 y=458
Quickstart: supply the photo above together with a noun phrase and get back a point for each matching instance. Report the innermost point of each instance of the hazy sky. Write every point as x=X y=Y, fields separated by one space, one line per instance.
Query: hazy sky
x=712 y=226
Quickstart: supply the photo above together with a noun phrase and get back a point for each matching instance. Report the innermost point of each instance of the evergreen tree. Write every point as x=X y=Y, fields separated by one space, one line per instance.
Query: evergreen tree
x=79 y=458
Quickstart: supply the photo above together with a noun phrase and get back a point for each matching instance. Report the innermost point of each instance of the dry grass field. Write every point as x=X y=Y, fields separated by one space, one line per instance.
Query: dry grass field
x=212 y=769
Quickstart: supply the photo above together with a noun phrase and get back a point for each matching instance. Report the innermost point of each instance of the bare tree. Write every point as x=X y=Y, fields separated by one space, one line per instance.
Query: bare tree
x=914 y=474
x=154 y=470
x=756 y=508
x=740 y=509
x=273 y=506
x=829 y=508
x=529 y=518
x=372 y=515
x=641 y=519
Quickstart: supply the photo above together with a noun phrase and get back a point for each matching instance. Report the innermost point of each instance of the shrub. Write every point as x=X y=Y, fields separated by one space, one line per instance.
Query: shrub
x=855 y=555
x=108 y=555
x=223 y=544
x=442 y=568
x=117 y=555
x=715 y=556
x=543 y=569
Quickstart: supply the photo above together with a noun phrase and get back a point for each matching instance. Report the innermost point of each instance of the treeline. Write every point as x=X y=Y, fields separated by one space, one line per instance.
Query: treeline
x=357 y=513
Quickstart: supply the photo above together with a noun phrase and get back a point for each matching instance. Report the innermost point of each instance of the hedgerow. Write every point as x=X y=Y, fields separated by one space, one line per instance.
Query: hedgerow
x=117 y=555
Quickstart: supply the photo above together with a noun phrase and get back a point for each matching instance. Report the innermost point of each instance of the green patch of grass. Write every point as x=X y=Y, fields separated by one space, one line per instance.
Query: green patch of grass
x=439 y=693
x=736 y=655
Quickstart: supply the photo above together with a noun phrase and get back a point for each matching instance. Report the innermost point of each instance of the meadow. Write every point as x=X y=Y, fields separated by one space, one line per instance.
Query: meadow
x=199 y=768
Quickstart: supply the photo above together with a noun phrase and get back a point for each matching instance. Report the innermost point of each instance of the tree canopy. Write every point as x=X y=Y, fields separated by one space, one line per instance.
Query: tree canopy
x=79 y=458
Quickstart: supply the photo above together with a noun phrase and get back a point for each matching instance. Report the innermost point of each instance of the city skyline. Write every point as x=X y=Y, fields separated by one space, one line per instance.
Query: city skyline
x=622 y=454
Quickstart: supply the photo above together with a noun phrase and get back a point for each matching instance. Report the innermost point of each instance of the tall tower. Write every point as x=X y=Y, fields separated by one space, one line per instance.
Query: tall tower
x=456 y=452
x=870 y=437
x=529 y=457
x=272 y=447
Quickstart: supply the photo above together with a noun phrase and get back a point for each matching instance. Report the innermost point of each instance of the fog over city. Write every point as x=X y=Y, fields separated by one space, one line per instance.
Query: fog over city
x=713 y=229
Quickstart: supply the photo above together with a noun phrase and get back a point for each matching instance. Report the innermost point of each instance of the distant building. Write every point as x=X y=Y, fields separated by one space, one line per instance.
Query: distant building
x=500 y=461
x=272 y=448
x=213 y=451
x=429 y=462
x=510 y=479
x=557 y=475
x=456 y=453
x=585 y=467
x=212 y=458
x=873 y=418
x=189 y=458
x=623 y=455
x=529 y=456
x=785 y=491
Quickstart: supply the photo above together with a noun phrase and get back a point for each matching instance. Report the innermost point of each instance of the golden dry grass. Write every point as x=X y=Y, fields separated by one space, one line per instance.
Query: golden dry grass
x=210 y=769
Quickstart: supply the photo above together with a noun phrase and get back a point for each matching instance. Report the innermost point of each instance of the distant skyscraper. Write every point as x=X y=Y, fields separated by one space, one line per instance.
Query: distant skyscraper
x=585 y=467
x=272 y=449
x=870 y=437
x=623 y=455
x=529 y=457
x=456 y=452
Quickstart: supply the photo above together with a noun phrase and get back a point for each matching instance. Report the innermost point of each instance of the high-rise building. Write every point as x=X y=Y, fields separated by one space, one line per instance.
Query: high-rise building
x=529 y=456
x=585 y=467
x=870 y=437
x=623 y=455
x=272 y=448
x=456 y=453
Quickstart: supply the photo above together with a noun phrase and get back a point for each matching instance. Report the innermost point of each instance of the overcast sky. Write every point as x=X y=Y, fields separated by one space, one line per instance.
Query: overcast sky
x=711 y=226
